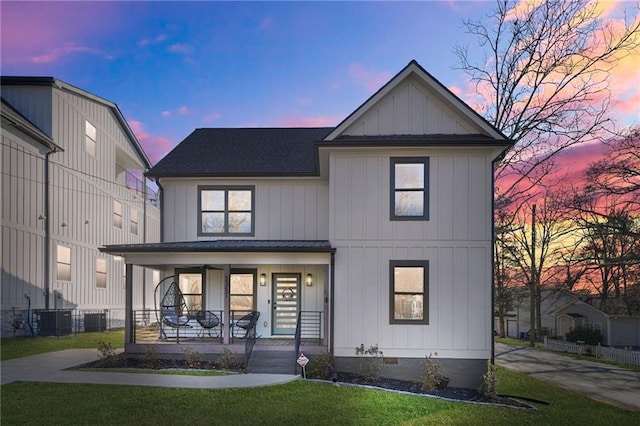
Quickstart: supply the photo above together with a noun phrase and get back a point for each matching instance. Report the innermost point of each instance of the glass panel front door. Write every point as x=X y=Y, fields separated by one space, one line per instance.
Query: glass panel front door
x=286 y=303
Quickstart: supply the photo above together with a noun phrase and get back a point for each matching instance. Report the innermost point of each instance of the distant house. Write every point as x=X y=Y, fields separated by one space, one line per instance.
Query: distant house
x=375 y=232
x=68 y=158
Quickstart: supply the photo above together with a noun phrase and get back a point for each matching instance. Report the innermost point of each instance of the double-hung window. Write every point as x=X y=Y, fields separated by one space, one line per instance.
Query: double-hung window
x=409 y=292
x=101 y=272
x=409 y=188
x=63 y=263
x=90 y=138
x=117 y=214
x=226 y=210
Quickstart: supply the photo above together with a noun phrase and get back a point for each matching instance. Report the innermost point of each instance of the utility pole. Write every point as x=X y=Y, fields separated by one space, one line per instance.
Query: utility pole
x=532 y=287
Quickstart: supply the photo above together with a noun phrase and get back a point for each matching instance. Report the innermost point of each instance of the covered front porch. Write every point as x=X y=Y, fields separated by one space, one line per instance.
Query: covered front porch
x=235 y=295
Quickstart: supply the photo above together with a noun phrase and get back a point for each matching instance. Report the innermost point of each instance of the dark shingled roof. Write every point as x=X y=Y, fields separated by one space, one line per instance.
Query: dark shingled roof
x=243 y=152
x=316 y=246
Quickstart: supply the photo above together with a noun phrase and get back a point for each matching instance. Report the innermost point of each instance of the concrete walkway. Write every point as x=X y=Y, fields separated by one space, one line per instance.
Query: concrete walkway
x=49 y=367
x=607 y=383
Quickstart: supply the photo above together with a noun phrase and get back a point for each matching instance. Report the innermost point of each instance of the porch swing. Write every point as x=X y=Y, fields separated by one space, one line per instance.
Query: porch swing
x=173 y=310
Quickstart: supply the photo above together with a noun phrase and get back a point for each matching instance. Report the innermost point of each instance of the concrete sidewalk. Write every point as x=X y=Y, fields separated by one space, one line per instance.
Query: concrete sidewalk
x=603 y=382
x=50 y=367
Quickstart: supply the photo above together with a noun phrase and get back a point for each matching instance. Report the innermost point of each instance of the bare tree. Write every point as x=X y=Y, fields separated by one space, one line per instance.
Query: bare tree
x=544 y=80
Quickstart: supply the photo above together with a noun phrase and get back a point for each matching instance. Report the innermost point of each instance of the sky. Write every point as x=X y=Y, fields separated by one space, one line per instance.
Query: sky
x=172 y=67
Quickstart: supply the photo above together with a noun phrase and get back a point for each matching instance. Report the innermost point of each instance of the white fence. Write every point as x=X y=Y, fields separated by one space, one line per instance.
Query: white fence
x=623 y=356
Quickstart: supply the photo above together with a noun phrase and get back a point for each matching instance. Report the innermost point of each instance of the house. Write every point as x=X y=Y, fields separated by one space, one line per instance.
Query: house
x=69 y=186
x=616 y=330
x=375 y=232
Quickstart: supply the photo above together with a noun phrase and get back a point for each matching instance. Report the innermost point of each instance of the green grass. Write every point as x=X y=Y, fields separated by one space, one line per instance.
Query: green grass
x=299 y=402
x=517 y=342
x=17 y=347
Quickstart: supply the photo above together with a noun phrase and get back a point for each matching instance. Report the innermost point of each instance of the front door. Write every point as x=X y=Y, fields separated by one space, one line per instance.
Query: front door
x=286 y=303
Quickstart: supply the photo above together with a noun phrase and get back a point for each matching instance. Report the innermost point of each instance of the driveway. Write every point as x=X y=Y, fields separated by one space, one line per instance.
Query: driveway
x=607 y=383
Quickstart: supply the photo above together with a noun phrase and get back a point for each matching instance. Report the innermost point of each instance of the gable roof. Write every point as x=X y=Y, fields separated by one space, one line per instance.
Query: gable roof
x=54 y=82
x=414 y=69
x=562 y=310
x=243 y=152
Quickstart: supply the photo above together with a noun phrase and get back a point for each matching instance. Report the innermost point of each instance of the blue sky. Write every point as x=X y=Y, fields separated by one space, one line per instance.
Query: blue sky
x=175 y=66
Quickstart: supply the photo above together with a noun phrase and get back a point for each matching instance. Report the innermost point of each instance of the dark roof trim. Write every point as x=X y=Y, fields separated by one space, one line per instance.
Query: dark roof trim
x=414 y=141
x=225 y=246
x=54 y=82
x=231 y=175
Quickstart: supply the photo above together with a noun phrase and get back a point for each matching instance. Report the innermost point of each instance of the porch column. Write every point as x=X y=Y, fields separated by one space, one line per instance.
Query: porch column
x=227 y=305
x=128 y=304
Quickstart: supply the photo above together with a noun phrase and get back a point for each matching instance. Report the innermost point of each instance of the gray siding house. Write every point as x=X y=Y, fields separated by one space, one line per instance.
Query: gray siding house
x=68 y=187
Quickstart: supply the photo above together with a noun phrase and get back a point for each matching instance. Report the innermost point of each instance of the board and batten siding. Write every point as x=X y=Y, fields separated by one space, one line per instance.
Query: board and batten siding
x=285 y=209
x=456 y=241
x=411 y=108
x=82 y=192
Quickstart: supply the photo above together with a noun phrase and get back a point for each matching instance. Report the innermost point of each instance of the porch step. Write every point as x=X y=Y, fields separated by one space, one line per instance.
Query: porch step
x=273 y=362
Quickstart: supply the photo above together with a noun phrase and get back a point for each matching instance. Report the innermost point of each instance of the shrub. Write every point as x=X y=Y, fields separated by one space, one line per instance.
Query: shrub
x=228 y=360
x=432 y=374
x=587 y=335
x=107 y=353
x=371 y=362
x=150 y=357
x=192 y=356
x=320 y=366
x=489 y=381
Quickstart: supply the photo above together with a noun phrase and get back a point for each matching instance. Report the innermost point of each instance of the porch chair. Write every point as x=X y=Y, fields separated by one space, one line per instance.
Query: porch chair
x=173 y=309
x=208 y=321
x=247 y=323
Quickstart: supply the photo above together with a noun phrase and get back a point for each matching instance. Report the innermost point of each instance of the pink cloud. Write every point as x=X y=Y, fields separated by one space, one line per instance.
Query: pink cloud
x=156 y=146
x=183 y=110
x=166 y=114
x=369 y=79
x=211 y=117
x=43 y=32
x=299 y=121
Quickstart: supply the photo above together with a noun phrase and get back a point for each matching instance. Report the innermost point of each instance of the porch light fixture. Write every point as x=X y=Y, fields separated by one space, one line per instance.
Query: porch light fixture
x=309 y=280
x=263 y=279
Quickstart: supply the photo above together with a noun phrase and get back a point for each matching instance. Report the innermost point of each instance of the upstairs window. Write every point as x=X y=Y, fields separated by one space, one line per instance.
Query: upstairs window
x=134 y=222
x=117 y=214
x=409 y=298
x=409 y=188
x=63 y=263
x=90 y=139
x=101 y=272
x=226 y=210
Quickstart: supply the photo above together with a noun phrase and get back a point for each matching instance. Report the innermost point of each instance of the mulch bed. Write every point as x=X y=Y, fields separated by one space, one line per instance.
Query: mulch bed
x=452 y=393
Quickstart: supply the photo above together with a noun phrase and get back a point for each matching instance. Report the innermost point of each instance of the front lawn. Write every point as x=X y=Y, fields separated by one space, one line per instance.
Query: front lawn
x=16 y=347
x=299 y=402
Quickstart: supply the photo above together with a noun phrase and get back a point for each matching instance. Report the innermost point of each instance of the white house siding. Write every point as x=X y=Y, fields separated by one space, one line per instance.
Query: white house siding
x=82 y=192
x=411 y=108
x=456 y=241
x=22 y=251
x=285 y=209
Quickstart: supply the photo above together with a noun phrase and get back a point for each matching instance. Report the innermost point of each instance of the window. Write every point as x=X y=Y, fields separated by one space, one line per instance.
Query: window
x=225 y=210
x=134 y=222
x=190 y=283
x=409 y=302
x=243 y=286
x=63 y=260
x=117 y=214
x=409 y=188
x=101 y=273
x=90 y=139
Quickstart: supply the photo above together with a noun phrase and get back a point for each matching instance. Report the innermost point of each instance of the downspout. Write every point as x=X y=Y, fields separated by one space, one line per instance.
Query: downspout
x=47 y=232
x=161 y=201
x=494 y=162
x=144 y=240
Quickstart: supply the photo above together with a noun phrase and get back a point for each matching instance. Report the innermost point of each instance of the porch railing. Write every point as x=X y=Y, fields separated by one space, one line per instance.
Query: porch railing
x=308 y=326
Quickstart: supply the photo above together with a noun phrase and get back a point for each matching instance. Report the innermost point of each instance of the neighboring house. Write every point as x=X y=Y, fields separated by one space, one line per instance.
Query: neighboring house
x=616 y=330
x=67 y=189
x=379 y=230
